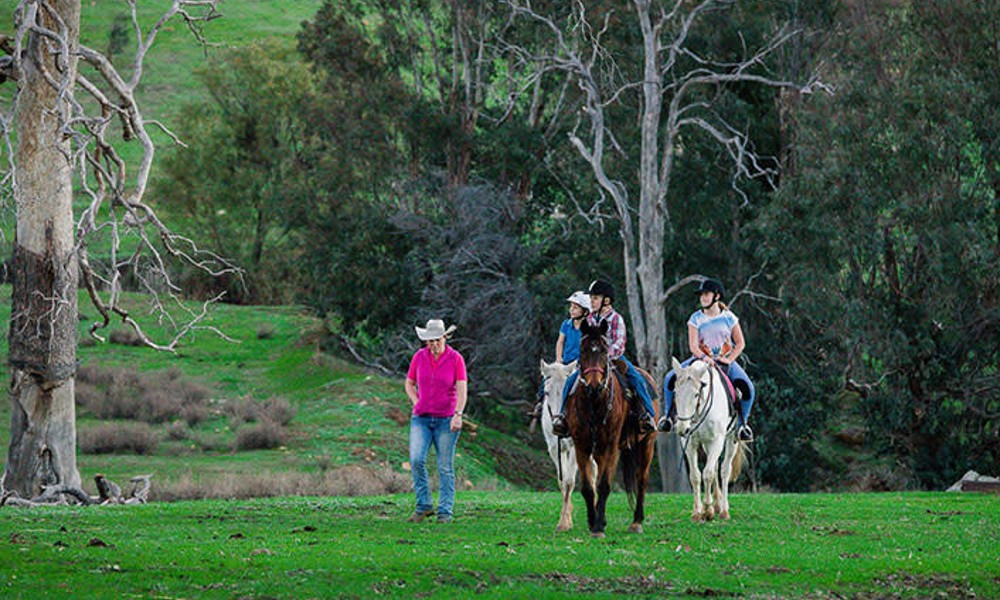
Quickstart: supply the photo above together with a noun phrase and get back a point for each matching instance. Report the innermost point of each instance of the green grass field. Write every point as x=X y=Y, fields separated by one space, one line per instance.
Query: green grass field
x=912 y=545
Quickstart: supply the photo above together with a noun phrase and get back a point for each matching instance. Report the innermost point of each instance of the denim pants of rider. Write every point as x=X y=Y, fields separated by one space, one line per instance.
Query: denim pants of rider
x=735 y=373
x=635 y=379
x=424 y=432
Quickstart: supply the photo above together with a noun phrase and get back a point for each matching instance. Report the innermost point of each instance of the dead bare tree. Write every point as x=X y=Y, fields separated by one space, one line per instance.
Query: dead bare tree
x=675 y=94
x=69 y=102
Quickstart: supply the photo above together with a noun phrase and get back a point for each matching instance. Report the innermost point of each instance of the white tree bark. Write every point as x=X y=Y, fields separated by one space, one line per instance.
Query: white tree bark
x=44 y=306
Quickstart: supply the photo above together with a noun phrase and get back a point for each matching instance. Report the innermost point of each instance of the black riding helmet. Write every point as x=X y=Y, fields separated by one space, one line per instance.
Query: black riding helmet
x=599 y=287
x=712 y=285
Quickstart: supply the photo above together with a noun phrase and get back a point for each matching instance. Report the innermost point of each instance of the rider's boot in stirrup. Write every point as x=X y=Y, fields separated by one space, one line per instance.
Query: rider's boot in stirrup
x=559 y=426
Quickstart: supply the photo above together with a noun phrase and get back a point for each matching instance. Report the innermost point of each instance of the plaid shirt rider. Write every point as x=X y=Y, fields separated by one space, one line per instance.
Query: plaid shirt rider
x=616 y=332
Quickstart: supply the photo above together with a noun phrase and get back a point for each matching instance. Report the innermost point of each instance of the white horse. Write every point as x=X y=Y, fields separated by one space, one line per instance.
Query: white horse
x=562 y=452
x=704 y=423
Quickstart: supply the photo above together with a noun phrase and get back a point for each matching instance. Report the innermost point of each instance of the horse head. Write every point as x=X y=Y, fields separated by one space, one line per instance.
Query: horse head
x=554 y=377
x=691 y=389
x=594 y=364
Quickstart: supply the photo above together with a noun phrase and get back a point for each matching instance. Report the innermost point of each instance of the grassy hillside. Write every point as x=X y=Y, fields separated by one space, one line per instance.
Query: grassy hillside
x=344 y=416
x=168 y=80
x=503 y=545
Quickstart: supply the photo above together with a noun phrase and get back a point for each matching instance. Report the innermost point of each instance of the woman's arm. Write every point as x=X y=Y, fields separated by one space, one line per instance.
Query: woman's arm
x=737 y=336
x=462 y=393
x=560 y=343
x=411 y=391
x=694 y=343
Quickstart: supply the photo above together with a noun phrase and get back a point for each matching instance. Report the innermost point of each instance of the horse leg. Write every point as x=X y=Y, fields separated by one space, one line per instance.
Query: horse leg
x=584 y=464
x=694 y=475
x=724 y=476
x=604 y=474
x=644 y=452
x=566 y=487
x=711 y=477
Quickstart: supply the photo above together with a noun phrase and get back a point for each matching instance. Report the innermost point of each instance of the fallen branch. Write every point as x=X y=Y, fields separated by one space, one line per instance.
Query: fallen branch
x=108 y=493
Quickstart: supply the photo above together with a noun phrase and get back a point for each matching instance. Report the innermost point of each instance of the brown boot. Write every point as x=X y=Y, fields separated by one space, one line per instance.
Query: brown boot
x=559 y=426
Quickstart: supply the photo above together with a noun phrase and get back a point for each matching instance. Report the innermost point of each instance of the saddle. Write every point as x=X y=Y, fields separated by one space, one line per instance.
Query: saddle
x=732 y=394
x=631 y=396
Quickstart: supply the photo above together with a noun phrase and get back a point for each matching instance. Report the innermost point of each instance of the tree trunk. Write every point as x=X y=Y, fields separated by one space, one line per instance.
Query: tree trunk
x=43 y=325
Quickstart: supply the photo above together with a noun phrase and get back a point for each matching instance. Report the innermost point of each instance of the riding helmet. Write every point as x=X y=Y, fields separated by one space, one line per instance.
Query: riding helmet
x=599 y=287
x=712 y=285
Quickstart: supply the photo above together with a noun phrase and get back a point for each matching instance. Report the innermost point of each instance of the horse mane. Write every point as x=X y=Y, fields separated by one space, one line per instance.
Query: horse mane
x=588 y=330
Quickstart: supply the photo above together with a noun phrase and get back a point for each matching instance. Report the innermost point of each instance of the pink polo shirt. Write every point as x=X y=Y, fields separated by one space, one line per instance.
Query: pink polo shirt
x=435 y=379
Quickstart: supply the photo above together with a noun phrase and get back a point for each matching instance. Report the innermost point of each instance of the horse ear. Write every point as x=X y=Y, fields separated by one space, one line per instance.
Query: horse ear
x=585 y=327
x=676 y=363
x=571 y=366
x=604 y=327
x=544 y=364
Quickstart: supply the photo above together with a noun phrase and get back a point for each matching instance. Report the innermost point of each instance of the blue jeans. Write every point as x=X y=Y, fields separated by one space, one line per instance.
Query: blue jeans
x=425 y=431
x=635 y=379
x=736 y=374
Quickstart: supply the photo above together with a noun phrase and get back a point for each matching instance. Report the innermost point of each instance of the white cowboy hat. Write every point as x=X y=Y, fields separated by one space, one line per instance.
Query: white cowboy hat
x=435 y=330
x=581 y=298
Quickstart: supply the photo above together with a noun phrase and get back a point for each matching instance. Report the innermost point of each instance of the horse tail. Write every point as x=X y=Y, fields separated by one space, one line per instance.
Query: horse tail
x=741 y=448
x=630 y=462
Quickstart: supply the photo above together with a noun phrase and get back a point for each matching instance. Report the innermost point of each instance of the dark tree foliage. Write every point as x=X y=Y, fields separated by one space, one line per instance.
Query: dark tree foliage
x=470 y=261
x=887 y=238
x=243 y=181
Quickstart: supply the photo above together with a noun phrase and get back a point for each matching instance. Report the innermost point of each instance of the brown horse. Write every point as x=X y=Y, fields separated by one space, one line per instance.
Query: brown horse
x=603 y=427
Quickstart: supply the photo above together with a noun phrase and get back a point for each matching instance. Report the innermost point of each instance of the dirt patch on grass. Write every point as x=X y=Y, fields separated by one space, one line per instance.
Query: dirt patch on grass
x=630 y=585
x=908 y=585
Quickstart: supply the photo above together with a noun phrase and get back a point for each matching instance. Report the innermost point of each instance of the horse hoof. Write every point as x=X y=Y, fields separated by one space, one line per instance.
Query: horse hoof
x=707 y=517
x=563 y=527
x=696 y=518
x=635 y=528
x=597 y=534
x=724 y=515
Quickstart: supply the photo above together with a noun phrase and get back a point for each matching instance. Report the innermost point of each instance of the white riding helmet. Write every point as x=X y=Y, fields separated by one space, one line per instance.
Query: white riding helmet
x=580 y=298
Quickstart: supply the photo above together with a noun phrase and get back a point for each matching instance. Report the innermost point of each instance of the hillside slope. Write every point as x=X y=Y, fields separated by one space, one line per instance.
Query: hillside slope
x=349 y=433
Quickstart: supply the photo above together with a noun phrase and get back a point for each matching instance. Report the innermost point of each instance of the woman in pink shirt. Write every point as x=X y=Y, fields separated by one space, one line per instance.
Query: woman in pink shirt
x=437 y=386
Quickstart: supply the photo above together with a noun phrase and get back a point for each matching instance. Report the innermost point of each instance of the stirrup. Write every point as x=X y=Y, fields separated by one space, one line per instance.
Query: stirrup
x=745 y=433
x=559 y=426
x=665 y=424
x=647 y=424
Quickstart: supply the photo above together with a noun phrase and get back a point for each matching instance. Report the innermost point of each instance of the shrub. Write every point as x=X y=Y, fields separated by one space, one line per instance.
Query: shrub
x=178 y=431
x=125 y=337
x=153 y=398
x=112 y=438
x=344 y=481
x=265 y=435
x=240 y=411
x=278 y=410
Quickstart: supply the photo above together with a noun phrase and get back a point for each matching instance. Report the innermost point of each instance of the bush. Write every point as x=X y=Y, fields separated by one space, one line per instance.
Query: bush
x=262 y=436
x=113 y=438
x=152 y=398
x=343 y=481
x=278 y=410
x=125 y=337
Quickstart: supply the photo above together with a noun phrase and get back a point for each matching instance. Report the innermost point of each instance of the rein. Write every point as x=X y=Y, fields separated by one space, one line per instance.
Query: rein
x=701 y=415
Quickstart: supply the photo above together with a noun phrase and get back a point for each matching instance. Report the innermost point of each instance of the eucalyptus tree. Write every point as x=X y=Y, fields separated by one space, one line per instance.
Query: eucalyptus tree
x=68 y=104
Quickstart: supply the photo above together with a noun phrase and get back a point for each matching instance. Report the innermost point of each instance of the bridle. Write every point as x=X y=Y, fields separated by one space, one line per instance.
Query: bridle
x=699 y=415
x=606 y=376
